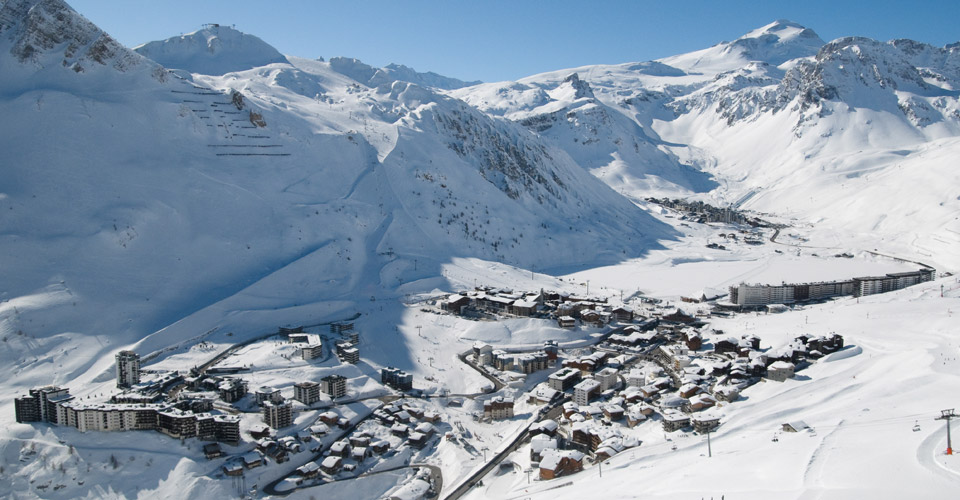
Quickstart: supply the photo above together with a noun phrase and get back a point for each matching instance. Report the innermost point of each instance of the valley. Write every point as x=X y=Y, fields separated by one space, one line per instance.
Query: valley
x=233 y=272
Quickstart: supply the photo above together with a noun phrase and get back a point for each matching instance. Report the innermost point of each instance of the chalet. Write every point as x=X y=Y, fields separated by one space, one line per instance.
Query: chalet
x=751 y=341
x=688 y=390
x=566 y=322
x=304 y=435
x=426 y=428
x=780 y=371
x=729 y=345
x=233 y=469
x=595 y=318
x=613 y=412
x=570 y=408
x=547 y=427
x=430 y=416
x=331 y=465
x=540 y=443
x=455 y=303
x=340 y=448
x=498 y=408
x=329 y=417
x=692 y=339
x=319 y=430
x=399 y=429
x=635 y=417
x=543 y=395
x=380 y=447
x=556 y=463
x=212 y=451
x=649 y=391
x=631 y=395
x=726 y=393
x=795 y=426
x=551 y=348
x=360 y=453
x=252 y=459
x=417 y=439
x=359 y=440
x=679 y=316
x=523 y=307
x=260 y=432
x=622 y=314
x=309 y=469
x=701 y=402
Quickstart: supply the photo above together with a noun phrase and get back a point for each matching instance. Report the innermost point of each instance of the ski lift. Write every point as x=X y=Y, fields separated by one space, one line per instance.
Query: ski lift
x=674 y=447
x=916 y=426
x=775 y=439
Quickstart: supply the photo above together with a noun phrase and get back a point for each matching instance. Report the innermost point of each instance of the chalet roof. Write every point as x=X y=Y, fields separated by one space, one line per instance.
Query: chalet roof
x=331 y=462
x=796 y=425
x=548 y=425
x=542 y=442
x=308 y=467
x=551 y=458
x=782 y=365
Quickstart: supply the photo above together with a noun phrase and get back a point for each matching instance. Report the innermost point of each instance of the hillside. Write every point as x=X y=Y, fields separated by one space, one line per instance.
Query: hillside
x=142 y=199
x=775 y=121
x=191 y=194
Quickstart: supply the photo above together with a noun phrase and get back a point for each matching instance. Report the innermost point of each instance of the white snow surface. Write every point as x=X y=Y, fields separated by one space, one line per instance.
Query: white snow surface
x=134 y=218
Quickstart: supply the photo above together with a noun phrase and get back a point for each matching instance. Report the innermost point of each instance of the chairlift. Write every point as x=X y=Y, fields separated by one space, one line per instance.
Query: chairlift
x=916 y=427
x=674 y=447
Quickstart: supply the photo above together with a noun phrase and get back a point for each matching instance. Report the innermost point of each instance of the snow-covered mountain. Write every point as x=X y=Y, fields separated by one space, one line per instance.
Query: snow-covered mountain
x=136 y=197
x=781 y=120
x=372 y=77
x=213 y=50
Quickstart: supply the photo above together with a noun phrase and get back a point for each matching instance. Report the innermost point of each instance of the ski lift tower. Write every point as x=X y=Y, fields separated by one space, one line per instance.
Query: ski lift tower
x=948 y=415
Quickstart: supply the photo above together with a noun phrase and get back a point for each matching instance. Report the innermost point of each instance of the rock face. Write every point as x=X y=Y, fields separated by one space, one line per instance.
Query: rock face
x=44 y=32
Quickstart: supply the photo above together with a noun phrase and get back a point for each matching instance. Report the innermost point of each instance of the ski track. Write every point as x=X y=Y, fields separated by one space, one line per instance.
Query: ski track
x=813 y=474
x=928 y=451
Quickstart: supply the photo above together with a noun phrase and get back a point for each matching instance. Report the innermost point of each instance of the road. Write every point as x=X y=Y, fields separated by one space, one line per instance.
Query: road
x=497 y=384
x=550 y=411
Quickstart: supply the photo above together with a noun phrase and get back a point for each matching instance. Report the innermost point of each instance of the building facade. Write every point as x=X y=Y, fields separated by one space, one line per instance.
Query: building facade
x=128 y=369
x=306 y=392
x=334 y=385
x=277 y=415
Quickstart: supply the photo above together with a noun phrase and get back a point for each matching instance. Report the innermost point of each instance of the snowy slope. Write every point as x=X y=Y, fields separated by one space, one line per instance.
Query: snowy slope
x=214 y=50
x=372 y=77
x=900 y=369
x=779 y=120
x=132 y=204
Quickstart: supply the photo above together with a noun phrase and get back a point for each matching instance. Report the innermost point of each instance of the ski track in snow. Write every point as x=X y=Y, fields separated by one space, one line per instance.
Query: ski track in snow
x=813 y=474
x=930 y=449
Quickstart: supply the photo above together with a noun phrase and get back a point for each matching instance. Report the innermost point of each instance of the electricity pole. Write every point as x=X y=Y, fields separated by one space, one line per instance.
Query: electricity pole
x=948 y=415
x=709 y=449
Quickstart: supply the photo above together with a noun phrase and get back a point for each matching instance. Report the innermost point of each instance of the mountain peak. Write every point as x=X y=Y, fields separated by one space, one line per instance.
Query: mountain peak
x=214 y=50
x=778 y=42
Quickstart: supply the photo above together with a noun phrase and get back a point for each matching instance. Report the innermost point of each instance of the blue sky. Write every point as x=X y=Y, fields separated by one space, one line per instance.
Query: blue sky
x=505 y=40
